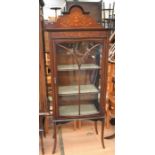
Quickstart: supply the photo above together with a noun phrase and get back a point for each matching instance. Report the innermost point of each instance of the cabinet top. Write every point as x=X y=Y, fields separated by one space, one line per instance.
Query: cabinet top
x=75 y=18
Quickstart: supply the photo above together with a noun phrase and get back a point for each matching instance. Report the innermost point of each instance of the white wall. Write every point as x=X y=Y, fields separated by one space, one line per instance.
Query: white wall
x=52 y=3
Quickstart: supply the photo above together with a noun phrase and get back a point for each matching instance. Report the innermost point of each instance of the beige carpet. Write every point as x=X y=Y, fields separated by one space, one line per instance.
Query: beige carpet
x=83 y=141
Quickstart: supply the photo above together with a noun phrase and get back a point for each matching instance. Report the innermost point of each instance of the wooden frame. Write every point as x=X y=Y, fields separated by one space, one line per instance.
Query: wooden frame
x=77 y=26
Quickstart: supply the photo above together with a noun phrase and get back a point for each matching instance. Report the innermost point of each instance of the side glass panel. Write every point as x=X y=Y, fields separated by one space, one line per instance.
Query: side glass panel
x=78 y=77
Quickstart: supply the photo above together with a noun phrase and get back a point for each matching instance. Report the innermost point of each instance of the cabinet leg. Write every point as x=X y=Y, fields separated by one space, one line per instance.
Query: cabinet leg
x=96 y=130
x=42 y=144
x=55 y=138
x=102 y=133
x=46 y=126
x=107 y=119
x=53 y=131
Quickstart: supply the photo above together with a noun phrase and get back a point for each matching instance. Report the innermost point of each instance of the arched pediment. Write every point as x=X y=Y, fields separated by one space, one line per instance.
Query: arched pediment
x=76 y=17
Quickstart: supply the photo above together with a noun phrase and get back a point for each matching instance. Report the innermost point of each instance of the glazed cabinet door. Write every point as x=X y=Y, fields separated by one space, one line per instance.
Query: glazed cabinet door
x=78 y=68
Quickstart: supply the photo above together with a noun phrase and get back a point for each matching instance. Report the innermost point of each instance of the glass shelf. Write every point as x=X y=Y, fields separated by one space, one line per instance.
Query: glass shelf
x=71 y=67
x=72 y=110
x=73 y=90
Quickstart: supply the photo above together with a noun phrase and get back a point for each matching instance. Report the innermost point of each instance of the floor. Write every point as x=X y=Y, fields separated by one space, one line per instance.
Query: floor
x=80 y=141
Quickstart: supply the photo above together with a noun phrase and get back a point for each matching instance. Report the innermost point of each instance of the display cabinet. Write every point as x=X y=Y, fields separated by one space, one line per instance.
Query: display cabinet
x=79 y=56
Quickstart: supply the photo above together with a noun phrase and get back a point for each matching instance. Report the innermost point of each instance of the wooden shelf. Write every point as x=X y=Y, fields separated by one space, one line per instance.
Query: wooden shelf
x=75 y=67
x=73 y=90
x=73 y=110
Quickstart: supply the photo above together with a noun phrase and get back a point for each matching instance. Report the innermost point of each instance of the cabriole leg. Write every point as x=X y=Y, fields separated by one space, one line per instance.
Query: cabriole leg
x=102 y=133
x=55 y=137
x=96 y=130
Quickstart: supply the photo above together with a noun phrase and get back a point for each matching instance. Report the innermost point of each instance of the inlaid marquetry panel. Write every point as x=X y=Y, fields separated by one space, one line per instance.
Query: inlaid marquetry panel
x=76 y=17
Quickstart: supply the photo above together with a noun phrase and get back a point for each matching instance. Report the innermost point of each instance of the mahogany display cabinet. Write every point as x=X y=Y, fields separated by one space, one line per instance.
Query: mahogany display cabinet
x=79 y=58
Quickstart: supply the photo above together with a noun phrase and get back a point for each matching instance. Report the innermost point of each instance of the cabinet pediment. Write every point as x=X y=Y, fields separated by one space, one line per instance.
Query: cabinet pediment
x=76 y=17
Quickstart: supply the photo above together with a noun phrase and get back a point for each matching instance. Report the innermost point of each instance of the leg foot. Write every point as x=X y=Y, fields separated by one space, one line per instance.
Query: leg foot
x=55 y=138
x=102 y=133
x=42 y=144
x=96 y=130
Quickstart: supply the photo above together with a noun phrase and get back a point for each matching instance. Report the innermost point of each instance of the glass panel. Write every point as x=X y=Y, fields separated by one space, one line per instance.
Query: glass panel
x=78 y=66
